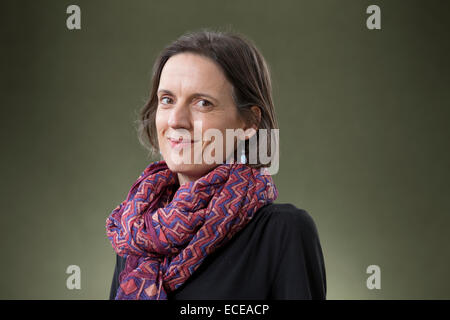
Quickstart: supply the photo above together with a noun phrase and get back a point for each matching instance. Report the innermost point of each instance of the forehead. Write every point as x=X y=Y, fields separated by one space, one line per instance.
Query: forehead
x=192 y=72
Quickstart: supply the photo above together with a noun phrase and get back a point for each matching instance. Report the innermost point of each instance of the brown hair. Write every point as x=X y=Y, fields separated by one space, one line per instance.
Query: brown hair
x=244 y=67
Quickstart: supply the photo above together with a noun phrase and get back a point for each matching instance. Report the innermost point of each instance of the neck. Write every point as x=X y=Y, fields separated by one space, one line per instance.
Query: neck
x=184 y=178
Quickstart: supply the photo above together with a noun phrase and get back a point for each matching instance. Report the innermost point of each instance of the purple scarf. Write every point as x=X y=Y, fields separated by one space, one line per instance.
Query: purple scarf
x=166 y=231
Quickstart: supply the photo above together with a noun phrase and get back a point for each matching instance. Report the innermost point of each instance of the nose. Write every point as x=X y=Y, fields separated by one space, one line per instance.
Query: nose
x=180 y=117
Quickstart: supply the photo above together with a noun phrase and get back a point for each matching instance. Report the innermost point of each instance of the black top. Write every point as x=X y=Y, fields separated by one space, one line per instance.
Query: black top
x=277 y=255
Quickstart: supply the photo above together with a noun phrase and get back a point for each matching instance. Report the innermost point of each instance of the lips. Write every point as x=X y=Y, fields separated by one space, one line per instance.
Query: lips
x=180 y=142
x=180 y=139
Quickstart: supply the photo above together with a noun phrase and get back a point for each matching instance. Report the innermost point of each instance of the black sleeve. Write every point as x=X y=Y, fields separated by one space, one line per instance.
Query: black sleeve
x=301 y=268
x=120 y=264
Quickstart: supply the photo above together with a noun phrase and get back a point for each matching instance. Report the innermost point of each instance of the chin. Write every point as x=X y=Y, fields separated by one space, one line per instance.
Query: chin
x=193 y=171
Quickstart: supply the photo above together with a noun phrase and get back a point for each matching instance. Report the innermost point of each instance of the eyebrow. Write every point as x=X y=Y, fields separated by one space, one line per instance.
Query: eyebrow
x=196 y=94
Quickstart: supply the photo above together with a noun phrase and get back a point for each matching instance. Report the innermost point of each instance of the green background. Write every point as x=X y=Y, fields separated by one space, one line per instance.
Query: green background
x=363 y=120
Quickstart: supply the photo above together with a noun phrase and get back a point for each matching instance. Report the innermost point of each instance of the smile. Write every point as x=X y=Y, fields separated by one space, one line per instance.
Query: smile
x=180 y=143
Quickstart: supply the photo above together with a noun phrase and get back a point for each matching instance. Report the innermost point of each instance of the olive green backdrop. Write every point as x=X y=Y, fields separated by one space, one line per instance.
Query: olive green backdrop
x=363 y=127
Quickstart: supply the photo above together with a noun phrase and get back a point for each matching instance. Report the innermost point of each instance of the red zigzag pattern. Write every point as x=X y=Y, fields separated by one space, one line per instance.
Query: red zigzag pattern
x=165 y=233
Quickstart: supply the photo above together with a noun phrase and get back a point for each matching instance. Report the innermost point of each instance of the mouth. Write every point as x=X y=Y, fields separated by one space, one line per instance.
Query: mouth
x=180 y=143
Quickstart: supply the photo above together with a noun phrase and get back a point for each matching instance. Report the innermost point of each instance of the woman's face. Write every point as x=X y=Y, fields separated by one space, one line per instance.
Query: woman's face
x=192 y=89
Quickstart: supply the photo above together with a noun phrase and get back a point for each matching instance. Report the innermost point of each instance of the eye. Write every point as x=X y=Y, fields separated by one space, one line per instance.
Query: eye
x=204 y=103
x=166 y=100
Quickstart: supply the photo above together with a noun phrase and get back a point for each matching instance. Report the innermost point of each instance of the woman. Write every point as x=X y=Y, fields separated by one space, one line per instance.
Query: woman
x=202 y=229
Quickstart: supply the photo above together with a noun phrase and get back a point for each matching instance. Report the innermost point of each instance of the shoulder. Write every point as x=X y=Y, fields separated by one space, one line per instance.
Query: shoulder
x=297 y=259
x=289 y=219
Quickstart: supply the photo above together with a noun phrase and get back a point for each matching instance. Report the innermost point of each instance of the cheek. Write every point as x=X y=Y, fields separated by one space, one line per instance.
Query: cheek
x=160 y=122
x=222 y=123
x=227 y=119
x=161 y=126
x=232 y=119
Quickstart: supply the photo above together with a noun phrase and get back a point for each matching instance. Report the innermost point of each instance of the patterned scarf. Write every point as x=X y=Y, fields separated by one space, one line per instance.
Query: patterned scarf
x=166 y=231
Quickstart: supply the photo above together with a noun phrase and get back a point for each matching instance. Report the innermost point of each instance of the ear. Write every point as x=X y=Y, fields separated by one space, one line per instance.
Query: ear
x=252 y=128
